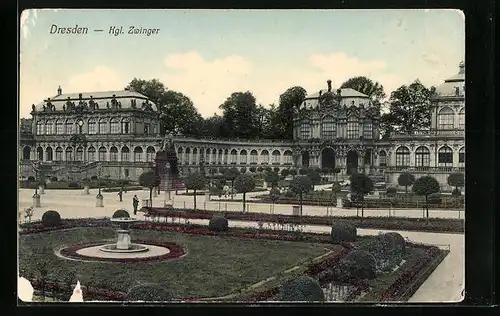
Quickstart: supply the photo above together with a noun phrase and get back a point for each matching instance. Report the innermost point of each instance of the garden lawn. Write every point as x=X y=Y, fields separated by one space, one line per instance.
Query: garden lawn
x=214 y=266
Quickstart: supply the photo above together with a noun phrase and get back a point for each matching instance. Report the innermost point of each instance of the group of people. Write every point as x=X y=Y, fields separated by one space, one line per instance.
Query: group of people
x=135 y=199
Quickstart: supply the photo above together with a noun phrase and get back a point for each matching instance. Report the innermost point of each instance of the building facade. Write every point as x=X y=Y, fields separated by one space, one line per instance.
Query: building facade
x=332 y=129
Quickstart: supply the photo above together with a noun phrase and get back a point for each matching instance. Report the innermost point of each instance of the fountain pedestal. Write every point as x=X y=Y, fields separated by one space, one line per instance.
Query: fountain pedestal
x=123 y=242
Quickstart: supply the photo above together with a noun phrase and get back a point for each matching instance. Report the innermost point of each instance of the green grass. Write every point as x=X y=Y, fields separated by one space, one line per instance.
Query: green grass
x=214 y=266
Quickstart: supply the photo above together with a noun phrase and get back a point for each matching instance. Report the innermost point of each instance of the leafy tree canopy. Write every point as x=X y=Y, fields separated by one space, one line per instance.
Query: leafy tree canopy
x=301 y=185
x=361 y=184
x=406 y=179
x=244 y=183
x=240 y=115
x=426 y=185
x=272 y=177
x=195 y=181
x=149 y=179
x=456 y=179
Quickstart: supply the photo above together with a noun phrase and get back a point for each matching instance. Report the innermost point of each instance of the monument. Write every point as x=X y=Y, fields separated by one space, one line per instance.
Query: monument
x=166 y=167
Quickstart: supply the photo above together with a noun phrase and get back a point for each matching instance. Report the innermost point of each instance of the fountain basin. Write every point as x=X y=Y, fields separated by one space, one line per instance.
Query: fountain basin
x=132 y=249
x=123 y=243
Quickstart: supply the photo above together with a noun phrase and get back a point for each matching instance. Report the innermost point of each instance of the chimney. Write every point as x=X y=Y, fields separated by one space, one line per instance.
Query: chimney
x=462 y=67
x=329 y=83
x=59 y=91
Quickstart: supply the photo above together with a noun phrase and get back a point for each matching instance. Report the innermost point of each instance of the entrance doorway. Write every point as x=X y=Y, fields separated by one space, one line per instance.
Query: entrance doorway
x=305 y=159
x=352 y=162
x=328 y=158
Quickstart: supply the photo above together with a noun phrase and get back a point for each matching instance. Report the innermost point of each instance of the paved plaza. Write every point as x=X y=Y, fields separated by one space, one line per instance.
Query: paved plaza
x=445 y=284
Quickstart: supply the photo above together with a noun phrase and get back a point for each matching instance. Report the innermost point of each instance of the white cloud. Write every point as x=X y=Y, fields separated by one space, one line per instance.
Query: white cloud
x=27 y=20
x=101 y=78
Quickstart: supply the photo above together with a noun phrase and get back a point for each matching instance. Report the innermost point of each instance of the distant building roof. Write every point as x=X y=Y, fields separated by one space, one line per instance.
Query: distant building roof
x=450 y=85
x=344 y=92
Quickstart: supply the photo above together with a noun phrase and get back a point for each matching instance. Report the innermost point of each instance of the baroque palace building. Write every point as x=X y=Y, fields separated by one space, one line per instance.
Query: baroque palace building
x=121 y=130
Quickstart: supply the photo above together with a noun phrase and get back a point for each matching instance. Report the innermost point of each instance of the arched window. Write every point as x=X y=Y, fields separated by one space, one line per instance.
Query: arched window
x=445 y=118
x=39 y=153
x=79 y=153
x=243 y=156
x=113 y=154
x=39 y=128
x=422 y=157
x=352 y=128
x=382 y=160
x=59 y=154
x=91 y=154
x=150 y=153
x=59 y=127
x=194 y=155
x=368 y=130
x=26 y=153
x=305 y=129
x=49 y=153
x=276 y=157
x=214 y=156
x=265 y=157
x=125 y=126
x=125 y=152
x=188 y=156
x=102 y=154
x=221 y=155
x=92 y=123
x=461 y=156
x=288 y=157
x=69 y=153
x=103 y=126
x=180 y=154
x=328 y=128
x=138 y=153
x=234 y=157
x=403 y=156
x=461 y=119
x=226 y=156
x=254 y=157
x=445 y=157
x=49 y=127
x=69 y=127
x=115 y=125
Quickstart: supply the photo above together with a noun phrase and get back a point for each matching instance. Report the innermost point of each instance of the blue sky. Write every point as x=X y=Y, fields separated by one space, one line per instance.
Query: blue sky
x=208 y=54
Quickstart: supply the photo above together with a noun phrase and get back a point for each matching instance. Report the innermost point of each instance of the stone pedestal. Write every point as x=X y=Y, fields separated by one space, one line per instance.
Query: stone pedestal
x=99 y=201
x=86 y=190
x=41 y=190
x=123 y=242
x=339 y=202
x=36 y=200
x=296 y=210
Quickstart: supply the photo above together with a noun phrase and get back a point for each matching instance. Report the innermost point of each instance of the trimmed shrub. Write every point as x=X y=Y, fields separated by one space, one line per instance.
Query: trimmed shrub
x=51 y=218
x=148 y=293
x=435 y=198
x=218 y=223
x=343 y=232
x=394 y=241
x=302 y=289
x=456 y=192
x=391 y=191
x=120 y=213
x=358 y=264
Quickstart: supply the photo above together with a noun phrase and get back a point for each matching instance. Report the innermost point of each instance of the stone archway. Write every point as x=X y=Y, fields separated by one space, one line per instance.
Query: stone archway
x=305 y=159
x=328 y=158
x=352 y=162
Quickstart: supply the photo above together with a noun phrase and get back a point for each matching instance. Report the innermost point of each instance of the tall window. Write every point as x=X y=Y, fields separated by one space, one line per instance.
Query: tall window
x=69 y=154
x=69 y=127
x=368 y=130
x=194 y=156
x=305 y=130
x=221 y=154
x=39 y=152
x=49 y=154
x=382 y=160
x=39 y=128
x=265 y=156
x=146 y=128
x=243 y=156
x=226 y=156
x=150 y=154
x=288 y=157
x=49 y=128
x=445 y=157
x=180 y=153
x=103 y=126
x=328 y=128
x=125 y=127
x=461 y=119
x=461 y=156
x=79 y=153
x=234 y=156
x=92 y=126
x=403 y=157
x=115 y=126
x=59 y=154
x=59 y=127
x=113 y=154
x=125 y=153
x=445 y=118
x=91 y=154
x=276 y=157
x=138 y=154
x=352 y=129
x=102 y=154
x=422 y=157
x=213 y=160
x=254 y=157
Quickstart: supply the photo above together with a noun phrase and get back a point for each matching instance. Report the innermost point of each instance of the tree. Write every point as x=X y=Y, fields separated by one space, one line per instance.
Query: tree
x=409 y=108
x=272 y=178
x=293 y=172
x=336 y=188
x=315 y=177
x=301 y=185
x=150 y=180
x=195 y=181
x=274 y=194
x=244 y=183
x=230 y=175
x=366 y=86
x=456 y=180
x=240 y=116
x=426 y=186
x=213 y=126
x=285 y=173
x=406 y=179
x=361 y=185
x=283 y=119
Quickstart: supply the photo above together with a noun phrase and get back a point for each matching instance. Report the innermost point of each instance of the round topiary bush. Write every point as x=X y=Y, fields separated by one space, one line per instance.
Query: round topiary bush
x=359 y=264
x=120 y=213
x=394 y=241
x=148 y=293
x=302 y=289
x=391 y=191
x=343 y=232
x=51 y=218
x=434 y=198
x=218 y=223
x=456 y=192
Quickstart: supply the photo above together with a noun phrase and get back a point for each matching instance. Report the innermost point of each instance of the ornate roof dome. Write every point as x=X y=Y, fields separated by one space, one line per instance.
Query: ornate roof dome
x=453 y=86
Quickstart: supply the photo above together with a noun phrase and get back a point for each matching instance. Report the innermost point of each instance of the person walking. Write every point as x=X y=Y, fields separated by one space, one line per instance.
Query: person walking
x=135 y=203
x=120 y=194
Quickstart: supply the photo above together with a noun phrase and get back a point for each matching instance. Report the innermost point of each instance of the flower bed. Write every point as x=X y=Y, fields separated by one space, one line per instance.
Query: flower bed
x=390 y=223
